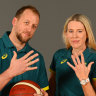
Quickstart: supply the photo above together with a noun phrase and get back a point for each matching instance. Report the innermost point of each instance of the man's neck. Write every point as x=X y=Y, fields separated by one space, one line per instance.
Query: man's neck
x=16 y=42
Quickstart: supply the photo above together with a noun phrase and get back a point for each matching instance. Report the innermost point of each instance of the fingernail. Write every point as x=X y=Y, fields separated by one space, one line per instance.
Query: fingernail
x=36 y=67
x=37 y=54
x=38 y=59
x=32 y=51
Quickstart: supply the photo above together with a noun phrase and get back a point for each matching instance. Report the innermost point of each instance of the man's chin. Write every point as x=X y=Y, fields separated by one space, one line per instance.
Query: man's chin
x=25 y=41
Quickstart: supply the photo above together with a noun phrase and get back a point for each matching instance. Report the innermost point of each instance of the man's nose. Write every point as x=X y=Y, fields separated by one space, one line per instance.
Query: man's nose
x=29 y=28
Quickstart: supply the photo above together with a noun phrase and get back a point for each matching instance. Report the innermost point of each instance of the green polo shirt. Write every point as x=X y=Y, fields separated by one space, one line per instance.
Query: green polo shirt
x=6 y=53
x=67 y=83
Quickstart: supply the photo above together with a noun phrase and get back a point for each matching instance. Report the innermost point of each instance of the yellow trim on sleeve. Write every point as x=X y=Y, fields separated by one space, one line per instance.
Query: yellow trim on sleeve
x=51 y=71
x=46 y=88
x=94 y=79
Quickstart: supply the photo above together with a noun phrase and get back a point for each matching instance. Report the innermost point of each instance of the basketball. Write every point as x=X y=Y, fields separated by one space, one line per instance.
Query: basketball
x=25 y=88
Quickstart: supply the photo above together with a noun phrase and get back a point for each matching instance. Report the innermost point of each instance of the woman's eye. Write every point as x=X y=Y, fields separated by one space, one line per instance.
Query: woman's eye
x=80 y=31
x=70 y=31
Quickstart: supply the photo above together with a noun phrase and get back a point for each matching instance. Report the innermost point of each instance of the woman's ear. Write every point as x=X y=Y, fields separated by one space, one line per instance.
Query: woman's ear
x=65 y=33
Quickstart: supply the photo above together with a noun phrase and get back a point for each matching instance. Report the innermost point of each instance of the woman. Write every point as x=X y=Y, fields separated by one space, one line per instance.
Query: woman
x=73 y=69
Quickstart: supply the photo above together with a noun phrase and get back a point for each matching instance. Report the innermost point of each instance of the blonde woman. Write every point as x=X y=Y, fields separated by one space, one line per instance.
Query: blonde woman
x=73 y=69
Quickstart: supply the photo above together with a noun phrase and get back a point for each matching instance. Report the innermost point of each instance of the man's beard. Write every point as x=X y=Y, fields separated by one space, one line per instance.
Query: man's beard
x=22 y=39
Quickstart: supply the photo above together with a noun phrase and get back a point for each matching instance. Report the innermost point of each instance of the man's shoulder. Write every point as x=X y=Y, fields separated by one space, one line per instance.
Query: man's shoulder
x=1 y=43
x=1 y=39
x=1 y=46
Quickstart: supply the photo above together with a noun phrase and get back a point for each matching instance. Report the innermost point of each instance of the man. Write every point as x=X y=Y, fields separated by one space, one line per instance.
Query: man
x=18 y=60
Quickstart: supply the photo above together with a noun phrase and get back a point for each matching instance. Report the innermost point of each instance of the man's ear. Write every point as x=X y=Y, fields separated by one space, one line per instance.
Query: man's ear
x=14 y=21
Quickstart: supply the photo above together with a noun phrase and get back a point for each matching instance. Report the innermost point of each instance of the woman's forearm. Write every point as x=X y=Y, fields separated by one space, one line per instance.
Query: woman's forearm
x=88 y=90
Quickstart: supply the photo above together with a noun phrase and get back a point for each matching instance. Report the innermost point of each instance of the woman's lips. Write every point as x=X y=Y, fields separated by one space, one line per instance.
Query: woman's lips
x=75 y=41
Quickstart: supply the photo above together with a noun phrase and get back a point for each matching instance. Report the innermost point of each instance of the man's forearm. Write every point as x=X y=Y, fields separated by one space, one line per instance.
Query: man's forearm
x=4 y=79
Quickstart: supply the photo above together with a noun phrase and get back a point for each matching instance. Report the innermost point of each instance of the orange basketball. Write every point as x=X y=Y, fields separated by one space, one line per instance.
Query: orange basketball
x=25 y=88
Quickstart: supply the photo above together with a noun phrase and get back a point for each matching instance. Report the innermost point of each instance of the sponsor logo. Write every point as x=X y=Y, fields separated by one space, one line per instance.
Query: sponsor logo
x=4 y=56
x=63 y=61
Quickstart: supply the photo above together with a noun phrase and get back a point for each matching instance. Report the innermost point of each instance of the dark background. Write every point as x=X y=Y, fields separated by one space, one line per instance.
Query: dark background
x=48 y=37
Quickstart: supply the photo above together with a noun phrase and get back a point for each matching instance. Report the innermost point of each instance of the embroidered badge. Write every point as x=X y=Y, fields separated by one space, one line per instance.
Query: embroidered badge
x=85 y=63
x=4 y=56
x=63 y=61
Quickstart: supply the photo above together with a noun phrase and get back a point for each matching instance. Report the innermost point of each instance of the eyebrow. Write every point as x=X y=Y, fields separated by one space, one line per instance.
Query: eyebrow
x=35 y=24
x=77 y=29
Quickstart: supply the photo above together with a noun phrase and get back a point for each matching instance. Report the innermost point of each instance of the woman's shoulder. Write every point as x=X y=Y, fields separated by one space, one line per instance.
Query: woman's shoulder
x=92 y=51
x=61 y=52
x=92 y=54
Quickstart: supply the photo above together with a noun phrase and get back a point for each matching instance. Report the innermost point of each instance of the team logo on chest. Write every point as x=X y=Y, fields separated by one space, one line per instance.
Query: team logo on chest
x=4 y=56
x=63 y=61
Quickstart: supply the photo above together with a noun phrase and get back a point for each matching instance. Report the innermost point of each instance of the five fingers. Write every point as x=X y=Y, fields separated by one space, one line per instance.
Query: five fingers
x=27 y=60
x=77 y=62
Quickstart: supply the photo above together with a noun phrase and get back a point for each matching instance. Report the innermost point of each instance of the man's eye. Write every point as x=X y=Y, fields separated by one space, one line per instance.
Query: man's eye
x=26 y=23
x=34 y=26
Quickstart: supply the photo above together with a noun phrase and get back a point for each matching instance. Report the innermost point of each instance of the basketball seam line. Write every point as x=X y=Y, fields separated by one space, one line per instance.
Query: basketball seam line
x=36 y=89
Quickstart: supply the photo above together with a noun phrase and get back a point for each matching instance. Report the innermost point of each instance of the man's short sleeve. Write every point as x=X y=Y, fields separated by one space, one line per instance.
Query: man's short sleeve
x=0 y=67
x=42 y=78
x=53 y=64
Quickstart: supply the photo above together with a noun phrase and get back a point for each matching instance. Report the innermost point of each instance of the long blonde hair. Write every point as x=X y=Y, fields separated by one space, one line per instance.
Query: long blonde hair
x=90 y=42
